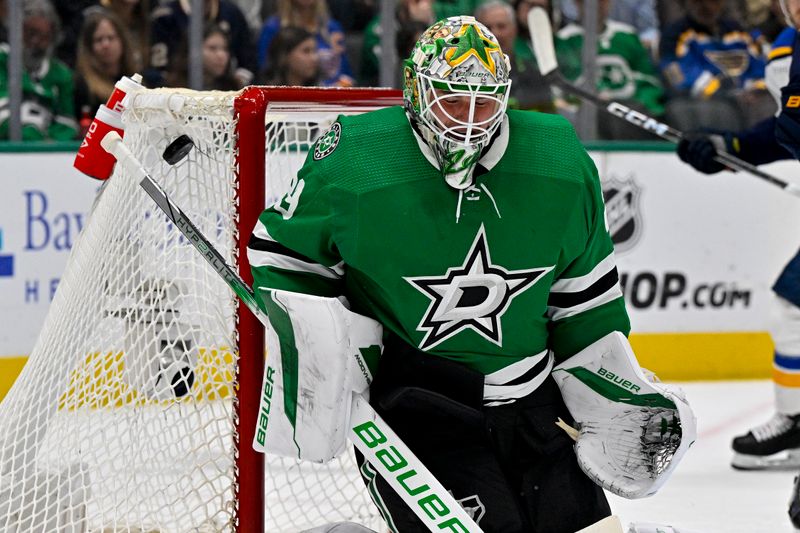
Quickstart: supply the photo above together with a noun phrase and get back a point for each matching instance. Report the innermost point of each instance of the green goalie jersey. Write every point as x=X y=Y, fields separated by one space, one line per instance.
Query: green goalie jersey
x=515 y=265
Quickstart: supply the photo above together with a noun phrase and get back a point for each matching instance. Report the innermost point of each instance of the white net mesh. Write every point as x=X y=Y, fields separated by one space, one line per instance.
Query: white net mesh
x=124 y=417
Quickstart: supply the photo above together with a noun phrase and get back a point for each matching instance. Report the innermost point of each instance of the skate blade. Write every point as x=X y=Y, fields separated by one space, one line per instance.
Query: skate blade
x=784 y=460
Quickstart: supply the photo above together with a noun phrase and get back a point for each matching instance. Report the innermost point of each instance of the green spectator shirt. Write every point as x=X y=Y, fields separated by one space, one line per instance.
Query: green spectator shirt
x=47 y=110
x=625 y=70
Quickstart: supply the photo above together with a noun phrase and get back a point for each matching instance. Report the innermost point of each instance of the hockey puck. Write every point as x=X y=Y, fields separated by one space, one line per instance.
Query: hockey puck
x=177 y=149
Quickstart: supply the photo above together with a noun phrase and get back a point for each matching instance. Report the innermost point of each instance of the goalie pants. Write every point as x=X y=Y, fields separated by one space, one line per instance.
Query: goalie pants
x=509 y=466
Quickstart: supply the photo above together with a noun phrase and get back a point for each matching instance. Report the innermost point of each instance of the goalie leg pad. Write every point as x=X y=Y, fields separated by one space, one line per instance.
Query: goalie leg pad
x=633 y=432
x=316 y=359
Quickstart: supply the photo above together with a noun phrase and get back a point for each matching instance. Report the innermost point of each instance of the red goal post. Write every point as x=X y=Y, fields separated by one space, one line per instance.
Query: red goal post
x=251 y=108
x=138 y=404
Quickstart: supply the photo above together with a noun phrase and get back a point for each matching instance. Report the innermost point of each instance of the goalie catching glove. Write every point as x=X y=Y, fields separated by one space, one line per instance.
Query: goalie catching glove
x=632 y=432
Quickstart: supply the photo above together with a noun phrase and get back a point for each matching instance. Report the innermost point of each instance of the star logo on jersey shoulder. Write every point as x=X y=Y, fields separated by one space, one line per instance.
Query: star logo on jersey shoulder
x=472 y=296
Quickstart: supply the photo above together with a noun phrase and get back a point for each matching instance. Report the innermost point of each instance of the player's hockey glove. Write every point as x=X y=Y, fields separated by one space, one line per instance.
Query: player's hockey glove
x=632 y=432
x=699 y=148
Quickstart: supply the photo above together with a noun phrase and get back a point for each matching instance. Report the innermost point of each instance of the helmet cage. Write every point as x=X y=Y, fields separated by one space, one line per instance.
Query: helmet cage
x=438 y=98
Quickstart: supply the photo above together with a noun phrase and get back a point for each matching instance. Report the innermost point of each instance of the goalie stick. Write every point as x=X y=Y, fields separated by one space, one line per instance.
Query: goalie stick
x=381 y=446
x=542 y=42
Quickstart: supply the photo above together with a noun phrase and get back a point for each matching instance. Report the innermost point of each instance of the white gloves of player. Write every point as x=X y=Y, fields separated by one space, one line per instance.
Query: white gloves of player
x=632 y=432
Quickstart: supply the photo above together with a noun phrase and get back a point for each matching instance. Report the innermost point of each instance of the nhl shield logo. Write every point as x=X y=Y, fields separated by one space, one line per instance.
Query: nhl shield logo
x=473 y=506
x=623 y=216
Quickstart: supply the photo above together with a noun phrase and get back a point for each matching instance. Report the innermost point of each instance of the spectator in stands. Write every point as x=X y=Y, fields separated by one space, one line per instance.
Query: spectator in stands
x=3 y=22
x=715 y=67
x=409 y=13
x=70 y=15
x=639 y=14
x=293 y=58
x=252 y=11
x=521 y=9
x=104 y=56
x=47 y=110
x=625 y=72
x=522 y=44
x=528 y=89
x=218 y=72
x=135 y=16
x=311 y=15
x=765 y=21
x=171 y=24
x=353 y=15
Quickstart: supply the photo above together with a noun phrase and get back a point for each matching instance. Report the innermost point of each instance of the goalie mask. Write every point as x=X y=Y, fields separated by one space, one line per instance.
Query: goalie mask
x=455 y=89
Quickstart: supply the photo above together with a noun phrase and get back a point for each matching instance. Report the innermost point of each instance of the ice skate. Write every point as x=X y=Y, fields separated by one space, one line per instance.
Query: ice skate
x=773 y=445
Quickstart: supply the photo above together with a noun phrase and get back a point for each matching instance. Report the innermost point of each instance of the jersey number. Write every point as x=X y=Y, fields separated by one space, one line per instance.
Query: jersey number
x=288 y=203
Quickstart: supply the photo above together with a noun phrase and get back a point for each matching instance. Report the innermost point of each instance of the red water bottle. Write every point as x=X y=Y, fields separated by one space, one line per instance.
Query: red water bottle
x=91 y=159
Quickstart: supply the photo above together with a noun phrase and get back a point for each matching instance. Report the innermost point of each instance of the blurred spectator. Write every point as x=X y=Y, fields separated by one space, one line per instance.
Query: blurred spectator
x=707 y=57
x=135 y=17
x=217 y=69
x=171 y=24
x=70 y=14
x=353 y=15
x=668 y=11
x=3 y=23
x=407 y=37
x=640 y=14
x=453 y=8
x=251 y=9
x=47 y=110
x=410 y=14
x=625 y=72
x=311 y=15
x=528 y=88
x=766 y=21
x=293 y=58
x=521 y=9
x=104 y=56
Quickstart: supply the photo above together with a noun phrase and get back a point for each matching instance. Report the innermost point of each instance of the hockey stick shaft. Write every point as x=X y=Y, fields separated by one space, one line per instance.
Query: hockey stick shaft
x=382 y=447
x=542 y=41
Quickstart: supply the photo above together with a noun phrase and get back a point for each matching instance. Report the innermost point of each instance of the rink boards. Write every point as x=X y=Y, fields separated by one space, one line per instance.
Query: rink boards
x=696 y=255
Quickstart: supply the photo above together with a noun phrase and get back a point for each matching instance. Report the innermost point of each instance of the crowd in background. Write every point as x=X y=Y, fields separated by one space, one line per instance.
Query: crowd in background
x=691 y=63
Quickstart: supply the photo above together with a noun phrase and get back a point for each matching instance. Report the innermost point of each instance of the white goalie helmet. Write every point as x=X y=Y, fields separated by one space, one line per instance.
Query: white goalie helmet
x=455 y=87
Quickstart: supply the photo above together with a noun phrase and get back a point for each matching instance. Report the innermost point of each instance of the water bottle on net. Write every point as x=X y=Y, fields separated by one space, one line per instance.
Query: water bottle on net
x=91 y=159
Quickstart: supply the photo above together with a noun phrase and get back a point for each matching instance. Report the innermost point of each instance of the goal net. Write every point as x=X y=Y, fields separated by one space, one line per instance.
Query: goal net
x=137 y=407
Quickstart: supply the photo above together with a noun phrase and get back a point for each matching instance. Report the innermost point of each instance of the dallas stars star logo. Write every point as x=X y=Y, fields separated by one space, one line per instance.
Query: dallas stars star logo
x=471 y=42
x=473 y=296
